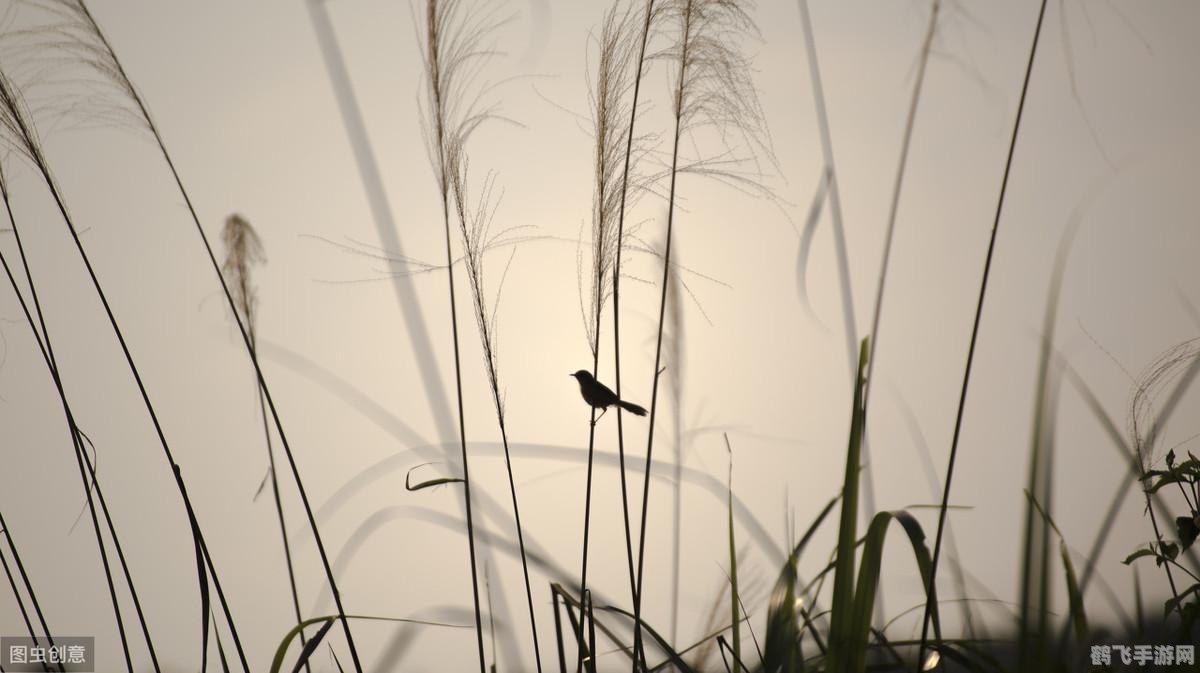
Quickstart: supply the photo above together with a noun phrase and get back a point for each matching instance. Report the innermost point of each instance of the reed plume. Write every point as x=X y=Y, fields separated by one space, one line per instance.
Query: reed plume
x=1178 y=363
x=454 y=47
x=611 y=132
x=474 y=223
x=631 y=183
x=712 y=89
x=244 y=251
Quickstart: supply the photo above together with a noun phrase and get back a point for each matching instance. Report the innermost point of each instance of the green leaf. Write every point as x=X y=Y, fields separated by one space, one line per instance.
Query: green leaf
x=1176 y=600
x=1167 y=479
x=1189 y=614
x=840 y=626
x=1188 y=531
x=409 y=486
x=734 y=597
x=1137 y=555
x=1168 y=552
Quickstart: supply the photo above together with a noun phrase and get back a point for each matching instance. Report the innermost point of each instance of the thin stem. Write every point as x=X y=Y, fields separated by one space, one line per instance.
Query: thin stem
x=562 y=656
x=12 y=582
x=685 y=45
x=287 y=548
x=145 y=395
x=512 y=487
x=616 y=298
x=112 y=532
x=462 y=432
x=587 y=500
x=962 y=400
x=242 y=329
x=1186 y=499
x=45 y=348
x=434 y=82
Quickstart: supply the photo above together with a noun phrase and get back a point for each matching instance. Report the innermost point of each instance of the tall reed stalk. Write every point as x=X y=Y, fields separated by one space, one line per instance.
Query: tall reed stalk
x=609 y=140
x=12 y=582
x=454 y=37
x=23 y=136
x=983 y=284
x=474 y=225
x=90 y=46
x=112 y=532
x=244 y=251
x=640 y=67
x=712 y=88
x=42 y=338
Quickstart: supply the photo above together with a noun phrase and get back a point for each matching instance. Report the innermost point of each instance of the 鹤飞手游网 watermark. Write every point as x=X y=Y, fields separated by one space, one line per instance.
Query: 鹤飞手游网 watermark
x=1143 y=655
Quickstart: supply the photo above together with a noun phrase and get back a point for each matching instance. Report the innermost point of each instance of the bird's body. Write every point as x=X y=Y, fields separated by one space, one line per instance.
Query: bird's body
x=598 y=395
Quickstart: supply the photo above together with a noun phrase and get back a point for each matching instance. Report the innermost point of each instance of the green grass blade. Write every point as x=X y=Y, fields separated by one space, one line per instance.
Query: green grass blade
x=1074 y=596
x=868 y=583
x=734 y=596
x=781 y=653
x=1078 y=616
x=843 y=578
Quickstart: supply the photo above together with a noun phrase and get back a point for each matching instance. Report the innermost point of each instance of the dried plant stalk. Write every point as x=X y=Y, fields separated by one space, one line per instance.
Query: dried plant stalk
x=475 y=229
x=453 y=42
x=712 y=90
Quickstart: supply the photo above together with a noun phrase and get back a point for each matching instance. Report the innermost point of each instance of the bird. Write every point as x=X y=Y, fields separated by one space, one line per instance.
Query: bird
x=598 y=395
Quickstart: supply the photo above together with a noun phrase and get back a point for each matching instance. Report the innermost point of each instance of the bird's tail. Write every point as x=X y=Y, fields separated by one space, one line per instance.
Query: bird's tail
x=632 y=408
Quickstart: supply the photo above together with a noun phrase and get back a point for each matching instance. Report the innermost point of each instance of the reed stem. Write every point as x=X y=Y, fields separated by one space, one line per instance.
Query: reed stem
x=962 y=399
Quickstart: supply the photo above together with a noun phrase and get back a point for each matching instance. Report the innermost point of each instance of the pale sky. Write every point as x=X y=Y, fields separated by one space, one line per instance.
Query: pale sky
x=248 y=111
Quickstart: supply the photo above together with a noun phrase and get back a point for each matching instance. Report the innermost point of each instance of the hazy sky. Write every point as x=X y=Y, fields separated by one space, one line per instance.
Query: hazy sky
x=247 y=109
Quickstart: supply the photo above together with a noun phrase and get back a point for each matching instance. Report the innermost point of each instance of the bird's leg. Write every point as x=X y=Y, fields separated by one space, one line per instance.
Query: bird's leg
x=602 y=412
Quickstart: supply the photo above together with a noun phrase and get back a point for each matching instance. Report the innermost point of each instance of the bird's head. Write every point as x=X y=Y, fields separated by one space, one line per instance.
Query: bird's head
x=582 y=375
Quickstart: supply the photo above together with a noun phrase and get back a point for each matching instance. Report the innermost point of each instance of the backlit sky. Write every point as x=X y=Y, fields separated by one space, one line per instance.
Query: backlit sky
x=246 y=106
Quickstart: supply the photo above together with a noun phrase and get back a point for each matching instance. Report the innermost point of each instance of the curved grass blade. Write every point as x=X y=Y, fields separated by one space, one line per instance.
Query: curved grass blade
x=429 y=483
x=294 y=632
x=1078 y=617
x=781 y=652
x=859 y=623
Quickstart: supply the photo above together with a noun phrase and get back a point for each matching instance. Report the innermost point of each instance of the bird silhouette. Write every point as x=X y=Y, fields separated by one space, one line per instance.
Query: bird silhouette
x=598 y=396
